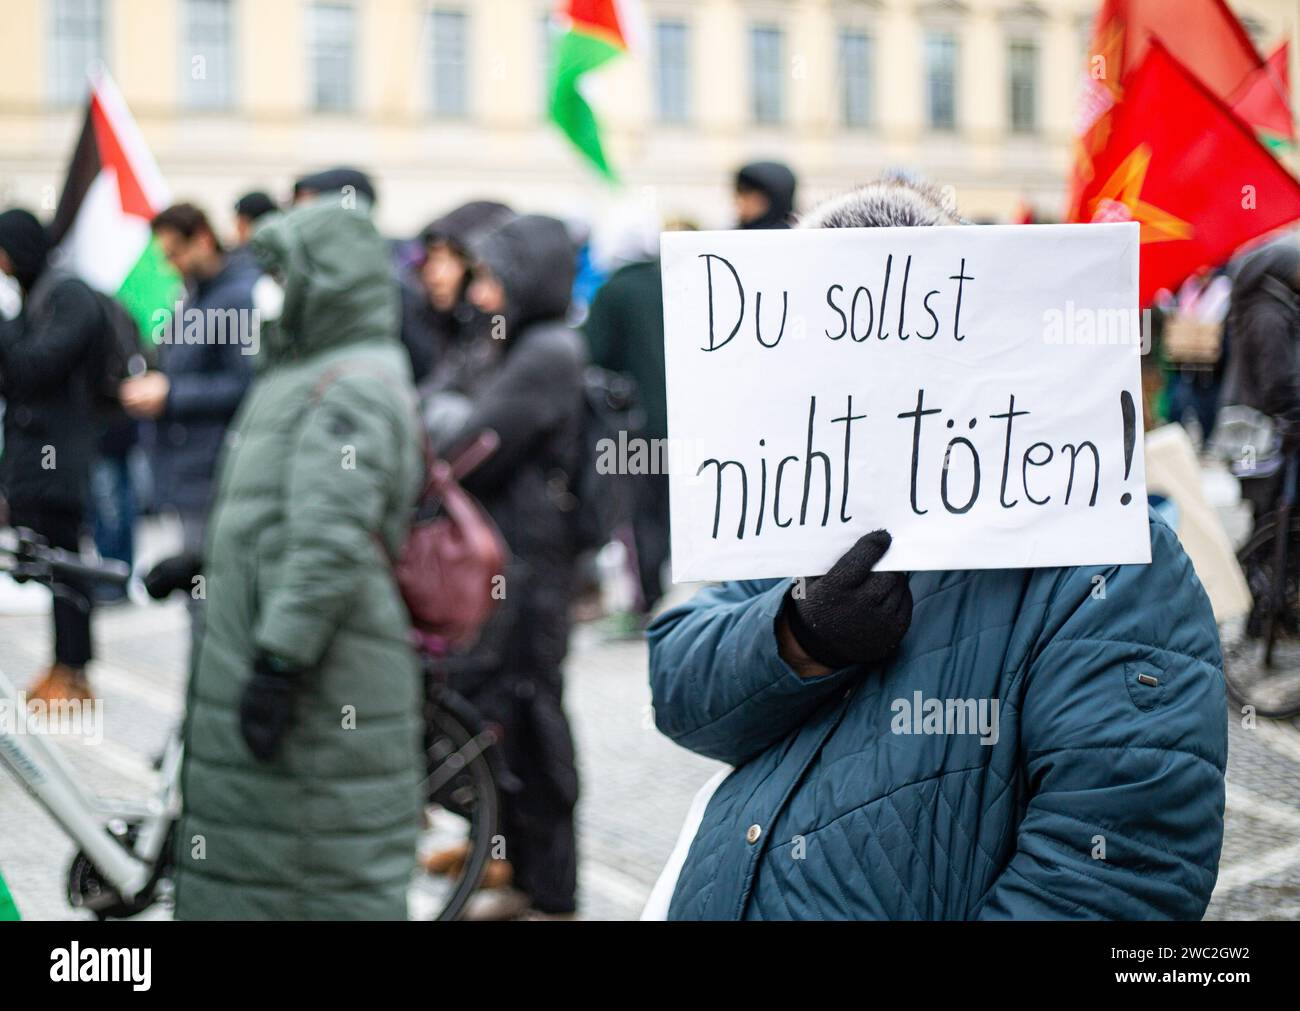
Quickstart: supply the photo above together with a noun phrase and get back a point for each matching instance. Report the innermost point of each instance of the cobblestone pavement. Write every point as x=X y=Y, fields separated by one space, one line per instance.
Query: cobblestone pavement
x=636 y=785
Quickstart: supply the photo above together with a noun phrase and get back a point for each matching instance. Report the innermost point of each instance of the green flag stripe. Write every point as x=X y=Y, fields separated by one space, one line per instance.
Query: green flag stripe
x=576 y=54
x=150 y=286
x=8 y=908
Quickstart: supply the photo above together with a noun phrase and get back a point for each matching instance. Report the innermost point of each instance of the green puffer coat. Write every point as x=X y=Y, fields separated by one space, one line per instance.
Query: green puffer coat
x=322 y=463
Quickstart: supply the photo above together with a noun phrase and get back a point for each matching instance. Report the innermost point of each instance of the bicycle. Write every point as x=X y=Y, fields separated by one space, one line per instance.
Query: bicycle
x=1262 y=668
x=125 y=859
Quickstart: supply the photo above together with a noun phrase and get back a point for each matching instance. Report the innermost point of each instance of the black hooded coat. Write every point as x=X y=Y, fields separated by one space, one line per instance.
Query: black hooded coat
x=527 y=387
x=47 y=361
x=434 y=338
x=1264 y=365
x=777 y=182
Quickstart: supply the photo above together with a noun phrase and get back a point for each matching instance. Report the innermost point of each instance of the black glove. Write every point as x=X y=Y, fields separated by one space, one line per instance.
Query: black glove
x=172 y=574
x=852 y=615
x=266 y=707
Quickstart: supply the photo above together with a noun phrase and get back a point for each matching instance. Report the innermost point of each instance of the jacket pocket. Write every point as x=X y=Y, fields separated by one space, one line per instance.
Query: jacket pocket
x=1146 y=684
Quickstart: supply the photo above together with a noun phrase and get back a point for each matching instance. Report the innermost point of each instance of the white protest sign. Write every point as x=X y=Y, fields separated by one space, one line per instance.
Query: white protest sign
x=974 y=390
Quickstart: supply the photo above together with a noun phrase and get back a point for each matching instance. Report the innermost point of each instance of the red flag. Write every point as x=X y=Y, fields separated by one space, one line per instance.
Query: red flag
x=1194 y=175
x=1204 y=35
x=1264 y=100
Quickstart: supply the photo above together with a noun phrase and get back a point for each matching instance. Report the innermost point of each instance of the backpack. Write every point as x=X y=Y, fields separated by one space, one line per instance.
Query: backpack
x=610 y=406
x=119 y=355
x=453 y=559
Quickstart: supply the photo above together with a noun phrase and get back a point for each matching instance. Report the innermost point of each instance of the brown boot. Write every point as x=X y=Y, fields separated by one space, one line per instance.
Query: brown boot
x=497 y=874
x=61 y=683
x=449 y=861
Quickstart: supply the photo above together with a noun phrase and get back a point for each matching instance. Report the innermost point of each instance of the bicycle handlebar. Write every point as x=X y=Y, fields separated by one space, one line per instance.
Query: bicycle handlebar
x=34 y=559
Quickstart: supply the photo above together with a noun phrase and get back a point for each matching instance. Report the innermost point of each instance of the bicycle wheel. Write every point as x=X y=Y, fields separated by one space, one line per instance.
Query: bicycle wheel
x=461 y=814
x=1273 y=690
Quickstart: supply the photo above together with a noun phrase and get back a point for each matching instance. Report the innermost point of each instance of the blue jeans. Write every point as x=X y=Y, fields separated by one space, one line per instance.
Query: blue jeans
x=113 y=508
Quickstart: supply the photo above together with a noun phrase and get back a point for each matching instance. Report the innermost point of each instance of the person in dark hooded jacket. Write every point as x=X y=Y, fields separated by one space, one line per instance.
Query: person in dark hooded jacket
x=1264 y=372
x=764 y=195
x=526 y=386
x=438 y=321
x=47 y=358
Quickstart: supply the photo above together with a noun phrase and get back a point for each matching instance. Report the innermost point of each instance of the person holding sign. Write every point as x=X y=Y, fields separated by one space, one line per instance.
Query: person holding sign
x=994 y=743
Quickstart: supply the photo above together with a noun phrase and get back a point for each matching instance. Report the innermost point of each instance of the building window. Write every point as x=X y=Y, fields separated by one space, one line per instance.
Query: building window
x=857 y=57
x=1022 y=80
x=941 y=80
x=767 y=74
x=76 y=43
x=672 y=71
x=332 y=56
x=449 y=62
x=208 y=54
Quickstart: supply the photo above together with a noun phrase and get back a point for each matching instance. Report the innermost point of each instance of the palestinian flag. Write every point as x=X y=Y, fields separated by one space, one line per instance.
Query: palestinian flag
x=113 y=191
x=594 y=32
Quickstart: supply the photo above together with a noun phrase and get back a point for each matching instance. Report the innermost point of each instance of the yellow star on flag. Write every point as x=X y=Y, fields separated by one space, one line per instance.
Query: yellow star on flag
x=1120 y=200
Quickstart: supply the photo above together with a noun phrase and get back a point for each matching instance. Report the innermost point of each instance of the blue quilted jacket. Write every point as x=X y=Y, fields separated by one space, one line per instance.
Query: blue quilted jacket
x=889 y=793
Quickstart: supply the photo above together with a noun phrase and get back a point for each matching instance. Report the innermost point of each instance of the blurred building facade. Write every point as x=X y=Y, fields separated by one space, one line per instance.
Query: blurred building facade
x=444 y=100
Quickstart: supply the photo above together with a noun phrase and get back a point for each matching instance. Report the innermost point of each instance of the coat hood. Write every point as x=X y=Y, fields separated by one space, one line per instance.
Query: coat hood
x=777 y=182
x=463 y=226
x=1278 y=263
x=536 y=262
x=27 y=243
x=337 y=278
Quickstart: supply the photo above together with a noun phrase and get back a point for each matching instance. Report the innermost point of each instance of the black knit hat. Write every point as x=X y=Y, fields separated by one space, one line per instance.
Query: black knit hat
x=253 y=205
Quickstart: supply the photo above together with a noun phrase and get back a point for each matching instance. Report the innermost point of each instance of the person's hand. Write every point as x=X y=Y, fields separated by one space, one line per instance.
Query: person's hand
x=144 y=396
x=851 y=615
x=172 y=574
x=266 y=707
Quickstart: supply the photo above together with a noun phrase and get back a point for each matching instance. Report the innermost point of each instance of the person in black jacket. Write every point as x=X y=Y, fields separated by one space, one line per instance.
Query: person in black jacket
x=205 y=366
x=625 y=332
x=1264 y=371
x=47 y=360
x=525 y=384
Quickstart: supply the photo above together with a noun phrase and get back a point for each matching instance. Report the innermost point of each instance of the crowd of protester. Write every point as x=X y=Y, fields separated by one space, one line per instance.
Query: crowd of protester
x=294 y=457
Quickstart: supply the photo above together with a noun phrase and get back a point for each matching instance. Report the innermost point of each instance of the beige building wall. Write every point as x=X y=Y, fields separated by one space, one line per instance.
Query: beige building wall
x=504 y=148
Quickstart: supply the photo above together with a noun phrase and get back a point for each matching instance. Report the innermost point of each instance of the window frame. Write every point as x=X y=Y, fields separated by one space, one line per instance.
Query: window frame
x=682 y=28
x=229 y=99
x=60 y=87
x=776 y=31
x=858 y=33
x=314 y=30
x=463 y=63
x=949 y=35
